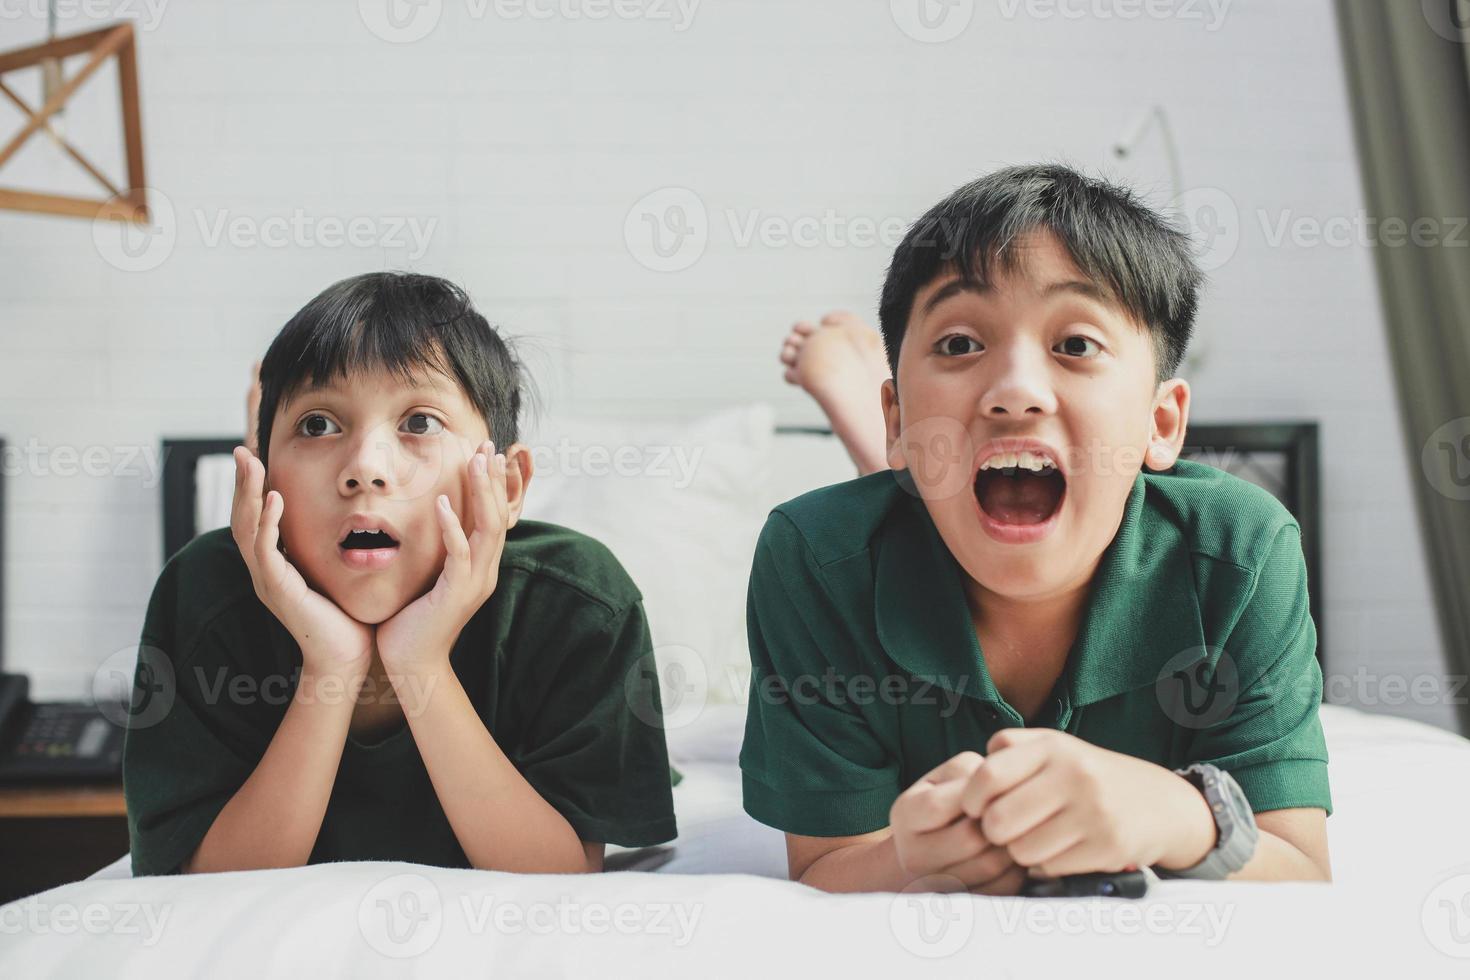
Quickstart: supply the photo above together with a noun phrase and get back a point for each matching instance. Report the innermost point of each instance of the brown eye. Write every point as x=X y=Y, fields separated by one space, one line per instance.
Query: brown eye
x=421 y=424
x=1076 y=346
x=958 y=345
x=314 y=425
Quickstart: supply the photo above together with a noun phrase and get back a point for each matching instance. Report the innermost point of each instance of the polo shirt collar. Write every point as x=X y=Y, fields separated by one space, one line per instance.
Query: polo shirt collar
x=1142 y=611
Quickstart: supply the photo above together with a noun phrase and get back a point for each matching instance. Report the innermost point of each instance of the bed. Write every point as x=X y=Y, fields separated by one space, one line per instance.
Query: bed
x=717 y=902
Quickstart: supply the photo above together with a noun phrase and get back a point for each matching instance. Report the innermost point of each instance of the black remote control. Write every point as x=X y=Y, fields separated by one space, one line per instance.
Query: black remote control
x=1121 y=884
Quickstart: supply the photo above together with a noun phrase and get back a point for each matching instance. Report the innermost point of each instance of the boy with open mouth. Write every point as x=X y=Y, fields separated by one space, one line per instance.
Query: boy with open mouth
x=379 y=660
x=1122 y=637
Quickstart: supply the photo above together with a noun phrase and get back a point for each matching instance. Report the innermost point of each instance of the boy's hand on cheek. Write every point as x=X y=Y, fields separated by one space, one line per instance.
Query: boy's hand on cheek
x=1063 y=806
x=933 y=836
x=331 y=641
x=420 y=636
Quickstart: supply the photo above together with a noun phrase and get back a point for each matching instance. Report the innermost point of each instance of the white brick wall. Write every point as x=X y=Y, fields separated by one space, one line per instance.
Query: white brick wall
x=527 y=142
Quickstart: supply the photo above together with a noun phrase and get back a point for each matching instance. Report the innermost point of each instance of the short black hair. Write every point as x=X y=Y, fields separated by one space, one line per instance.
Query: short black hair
x=400 y=322
x=1116 y=240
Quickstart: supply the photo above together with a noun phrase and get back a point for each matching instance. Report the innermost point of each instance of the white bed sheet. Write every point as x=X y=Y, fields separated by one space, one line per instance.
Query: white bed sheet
x=374 y=919
x=1399 y=906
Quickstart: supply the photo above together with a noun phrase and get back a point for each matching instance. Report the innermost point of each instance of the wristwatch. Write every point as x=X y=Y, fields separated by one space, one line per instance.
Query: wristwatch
x=1235 y=825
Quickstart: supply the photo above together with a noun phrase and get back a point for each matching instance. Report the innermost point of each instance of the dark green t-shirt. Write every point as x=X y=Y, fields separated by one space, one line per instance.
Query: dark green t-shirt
x=558 y=663
x=1195 y=646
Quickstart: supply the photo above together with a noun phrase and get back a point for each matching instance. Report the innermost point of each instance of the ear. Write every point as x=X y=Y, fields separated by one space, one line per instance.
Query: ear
x=1170 y=419
x=893 y=424
x=519 y=468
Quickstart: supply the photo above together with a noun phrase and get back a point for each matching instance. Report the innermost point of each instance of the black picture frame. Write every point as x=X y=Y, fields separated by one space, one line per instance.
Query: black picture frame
x=1297 y=442
x=180 y=458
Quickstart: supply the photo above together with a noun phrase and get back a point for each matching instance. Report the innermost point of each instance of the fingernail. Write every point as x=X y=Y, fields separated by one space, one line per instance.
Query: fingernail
x=500 y=458
x=443 y=502
x=479 y=463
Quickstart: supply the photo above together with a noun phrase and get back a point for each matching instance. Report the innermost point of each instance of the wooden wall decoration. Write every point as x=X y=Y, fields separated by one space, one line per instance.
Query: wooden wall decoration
x=129 y=203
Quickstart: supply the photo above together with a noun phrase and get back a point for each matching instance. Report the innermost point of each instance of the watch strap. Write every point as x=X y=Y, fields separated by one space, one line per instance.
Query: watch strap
x=1235 y=825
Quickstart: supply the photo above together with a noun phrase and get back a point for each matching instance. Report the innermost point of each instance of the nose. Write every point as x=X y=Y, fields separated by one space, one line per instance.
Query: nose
x=1021 y=389
x=370 y=463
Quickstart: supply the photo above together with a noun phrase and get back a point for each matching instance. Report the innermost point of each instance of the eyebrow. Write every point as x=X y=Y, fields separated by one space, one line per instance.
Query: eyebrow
x=1085 y=288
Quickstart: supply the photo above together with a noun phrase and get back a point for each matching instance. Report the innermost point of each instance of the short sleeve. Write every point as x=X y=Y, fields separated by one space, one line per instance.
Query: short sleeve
x=186 y=751
x=1272 y=741
x=597 y=752
x=810 y=766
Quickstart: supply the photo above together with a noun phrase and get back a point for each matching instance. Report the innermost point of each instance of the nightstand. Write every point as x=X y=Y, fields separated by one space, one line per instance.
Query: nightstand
x=50 y=835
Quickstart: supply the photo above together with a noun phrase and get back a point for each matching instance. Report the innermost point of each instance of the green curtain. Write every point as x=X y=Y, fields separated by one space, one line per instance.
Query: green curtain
x=1408 y=71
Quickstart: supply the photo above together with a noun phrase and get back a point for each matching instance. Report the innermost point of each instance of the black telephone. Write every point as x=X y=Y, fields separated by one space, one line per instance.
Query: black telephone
x=58 y=742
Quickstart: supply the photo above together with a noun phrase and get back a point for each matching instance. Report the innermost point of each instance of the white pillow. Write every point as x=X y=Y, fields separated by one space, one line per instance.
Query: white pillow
x=214 y=492
x=801 y=462
x=680 y=505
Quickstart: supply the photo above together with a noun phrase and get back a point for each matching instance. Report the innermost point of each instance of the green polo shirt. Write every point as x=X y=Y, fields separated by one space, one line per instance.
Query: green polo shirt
x=1196 y=646
x=557 y=662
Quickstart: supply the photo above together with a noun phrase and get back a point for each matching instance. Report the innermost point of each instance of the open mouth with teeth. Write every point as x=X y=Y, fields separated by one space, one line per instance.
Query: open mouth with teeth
x=1019 y=488
x=367 y=550
x=367 y=541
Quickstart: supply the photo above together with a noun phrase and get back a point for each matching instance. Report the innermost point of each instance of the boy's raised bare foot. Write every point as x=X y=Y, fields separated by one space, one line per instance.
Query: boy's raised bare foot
x=840 y=363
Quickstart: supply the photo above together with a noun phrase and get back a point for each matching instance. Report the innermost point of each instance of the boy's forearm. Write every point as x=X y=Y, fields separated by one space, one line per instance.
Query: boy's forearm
x=273 y=820
x=866 y=867
x=1275 y=858
x=500 y=820
x=1279 y=860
